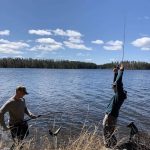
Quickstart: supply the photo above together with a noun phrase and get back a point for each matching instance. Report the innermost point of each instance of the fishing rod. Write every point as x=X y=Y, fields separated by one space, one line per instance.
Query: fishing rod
x=124 y=40
x=123 y=44
x=22 y=122
x=29 y=119
x=51 y=132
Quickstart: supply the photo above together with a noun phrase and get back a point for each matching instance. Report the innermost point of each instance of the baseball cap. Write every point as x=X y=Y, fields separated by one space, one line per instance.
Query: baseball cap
x=23 y=89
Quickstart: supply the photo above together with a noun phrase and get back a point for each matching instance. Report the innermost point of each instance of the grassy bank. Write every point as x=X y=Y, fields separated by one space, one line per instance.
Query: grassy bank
x=85 y=141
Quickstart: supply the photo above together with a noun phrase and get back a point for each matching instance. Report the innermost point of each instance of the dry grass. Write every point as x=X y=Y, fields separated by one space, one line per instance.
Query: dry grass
x=85 y=141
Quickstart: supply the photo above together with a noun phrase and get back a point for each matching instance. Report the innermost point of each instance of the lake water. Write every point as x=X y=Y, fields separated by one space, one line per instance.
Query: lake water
x=82 y=96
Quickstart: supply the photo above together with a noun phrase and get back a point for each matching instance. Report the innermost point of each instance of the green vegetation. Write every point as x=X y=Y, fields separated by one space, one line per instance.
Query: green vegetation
x=44 y=63
x=65 y=64
x=131 y=65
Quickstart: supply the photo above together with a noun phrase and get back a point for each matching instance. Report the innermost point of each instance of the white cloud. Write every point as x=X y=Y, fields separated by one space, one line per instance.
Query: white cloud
x=76 y=46
x=99 y=42
x=68 y=33
x=113 y=45
x=8 y=47
x=3 y=41
x=60 y=32
x=46 y=47
x=40 y=32
x=47 y=44
x=72 y=33
x=75 y=40
x=143 y=43
x=5 y=32
x=48 y=41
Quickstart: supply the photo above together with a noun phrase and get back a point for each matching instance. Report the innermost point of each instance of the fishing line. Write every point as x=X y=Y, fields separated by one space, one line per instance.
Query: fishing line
x=124 y=40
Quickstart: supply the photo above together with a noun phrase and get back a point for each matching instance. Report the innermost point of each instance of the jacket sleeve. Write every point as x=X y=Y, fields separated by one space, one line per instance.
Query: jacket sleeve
x=3 y=110
x=115 y=76
x=118 y=82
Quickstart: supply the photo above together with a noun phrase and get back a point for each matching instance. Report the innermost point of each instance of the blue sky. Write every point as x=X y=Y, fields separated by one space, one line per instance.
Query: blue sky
x=84 y=30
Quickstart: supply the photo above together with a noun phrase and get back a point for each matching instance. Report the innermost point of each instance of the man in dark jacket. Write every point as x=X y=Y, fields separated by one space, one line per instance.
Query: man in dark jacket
x=112 y=111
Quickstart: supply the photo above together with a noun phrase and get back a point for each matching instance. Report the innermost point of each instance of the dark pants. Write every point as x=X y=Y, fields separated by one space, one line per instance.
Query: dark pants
x=109 y=124
x=19 y=131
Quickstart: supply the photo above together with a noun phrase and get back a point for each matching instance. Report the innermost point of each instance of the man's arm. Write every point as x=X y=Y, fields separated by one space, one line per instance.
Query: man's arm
x=27 y=111
x=3 y=110
x=118 y=81
x=115 y=70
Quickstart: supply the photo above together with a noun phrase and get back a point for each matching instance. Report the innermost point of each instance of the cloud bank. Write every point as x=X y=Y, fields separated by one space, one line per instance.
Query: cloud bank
x=39 y=32
x=8 y=47
x=4 y=32
x=142 y=43
x=113 y=45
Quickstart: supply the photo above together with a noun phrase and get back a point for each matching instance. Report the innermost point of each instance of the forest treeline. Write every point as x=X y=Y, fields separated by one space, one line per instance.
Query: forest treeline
x=44 y=63
x=65 y=64
x=130 y=65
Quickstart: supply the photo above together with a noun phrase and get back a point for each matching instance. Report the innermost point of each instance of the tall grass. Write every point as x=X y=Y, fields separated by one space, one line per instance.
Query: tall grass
x=86 y=140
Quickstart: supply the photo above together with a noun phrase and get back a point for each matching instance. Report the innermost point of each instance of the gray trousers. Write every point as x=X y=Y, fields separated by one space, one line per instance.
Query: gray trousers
x=109 y=124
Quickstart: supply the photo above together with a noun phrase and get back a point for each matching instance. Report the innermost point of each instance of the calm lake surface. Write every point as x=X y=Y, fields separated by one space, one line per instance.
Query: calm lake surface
x=82 y=96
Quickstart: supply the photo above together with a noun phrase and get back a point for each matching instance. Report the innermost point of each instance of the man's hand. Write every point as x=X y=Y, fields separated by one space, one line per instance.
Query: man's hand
x=33 y=116
x=6 y=128
x=121 y=67
x=115 y=70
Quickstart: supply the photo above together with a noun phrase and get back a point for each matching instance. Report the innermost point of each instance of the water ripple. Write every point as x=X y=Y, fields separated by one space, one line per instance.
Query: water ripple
x=81 y=94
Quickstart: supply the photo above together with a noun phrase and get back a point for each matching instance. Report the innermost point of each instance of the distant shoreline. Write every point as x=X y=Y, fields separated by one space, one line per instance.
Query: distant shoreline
x=66 y=64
